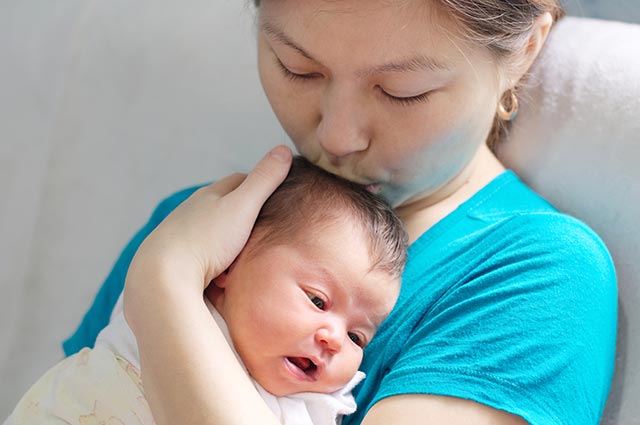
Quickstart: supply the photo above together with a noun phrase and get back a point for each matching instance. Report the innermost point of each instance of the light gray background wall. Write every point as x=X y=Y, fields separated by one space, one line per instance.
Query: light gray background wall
x=105 y=108
x=617 y=10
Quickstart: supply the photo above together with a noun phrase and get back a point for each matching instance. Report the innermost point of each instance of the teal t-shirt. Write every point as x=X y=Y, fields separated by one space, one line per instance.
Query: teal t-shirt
x=505 y=301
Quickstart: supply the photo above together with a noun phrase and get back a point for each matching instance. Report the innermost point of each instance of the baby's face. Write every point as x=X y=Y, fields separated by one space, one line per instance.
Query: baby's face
x=300 y=314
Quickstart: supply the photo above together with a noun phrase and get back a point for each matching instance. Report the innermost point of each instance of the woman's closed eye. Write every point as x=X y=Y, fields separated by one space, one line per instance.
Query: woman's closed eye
x=295 y=76
x=406 y=100
x=303 y=77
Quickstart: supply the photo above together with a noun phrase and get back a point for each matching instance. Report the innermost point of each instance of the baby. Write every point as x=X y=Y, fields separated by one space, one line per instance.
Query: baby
x=319 y=273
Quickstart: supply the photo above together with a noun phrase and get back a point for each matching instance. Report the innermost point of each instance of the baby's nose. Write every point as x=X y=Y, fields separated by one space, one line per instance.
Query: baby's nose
x=330 y=338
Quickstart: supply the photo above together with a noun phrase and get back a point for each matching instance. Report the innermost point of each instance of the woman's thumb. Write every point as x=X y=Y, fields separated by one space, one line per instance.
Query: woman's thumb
x=266 y=176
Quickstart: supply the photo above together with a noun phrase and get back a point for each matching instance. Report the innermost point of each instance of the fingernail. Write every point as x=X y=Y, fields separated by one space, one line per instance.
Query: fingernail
x=281 y=153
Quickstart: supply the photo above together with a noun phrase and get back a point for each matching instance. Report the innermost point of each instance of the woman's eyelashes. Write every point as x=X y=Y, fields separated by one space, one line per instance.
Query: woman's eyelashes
x=294 y=76
x=404 y=101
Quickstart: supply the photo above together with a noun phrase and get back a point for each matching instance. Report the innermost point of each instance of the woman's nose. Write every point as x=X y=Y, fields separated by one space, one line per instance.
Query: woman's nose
x=343 y=128
x=330 y=338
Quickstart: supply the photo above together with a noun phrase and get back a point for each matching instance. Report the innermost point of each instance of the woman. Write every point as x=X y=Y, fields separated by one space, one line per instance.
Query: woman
x=508 y=308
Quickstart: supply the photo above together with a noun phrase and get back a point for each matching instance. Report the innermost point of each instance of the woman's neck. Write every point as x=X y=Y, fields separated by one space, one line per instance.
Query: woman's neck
x=420 y=215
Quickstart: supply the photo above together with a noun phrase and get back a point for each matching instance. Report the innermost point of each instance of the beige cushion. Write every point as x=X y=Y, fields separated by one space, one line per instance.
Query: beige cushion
x=577 y=141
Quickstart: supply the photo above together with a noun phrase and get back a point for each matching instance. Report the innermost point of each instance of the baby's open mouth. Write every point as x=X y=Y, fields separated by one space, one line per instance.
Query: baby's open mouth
x=305 y=364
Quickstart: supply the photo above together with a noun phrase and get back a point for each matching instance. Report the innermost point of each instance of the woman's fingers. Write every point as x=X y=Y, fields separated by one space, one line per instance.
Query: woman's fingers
x=262 y=180
x=260 y=183
x=227 y=184
x=206 y=233
x=226 y=211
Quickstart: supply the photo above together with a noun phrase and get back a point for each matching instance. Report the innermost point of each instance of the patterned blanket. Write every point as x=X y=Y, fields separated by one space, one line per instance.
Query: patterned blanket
x=92 y=387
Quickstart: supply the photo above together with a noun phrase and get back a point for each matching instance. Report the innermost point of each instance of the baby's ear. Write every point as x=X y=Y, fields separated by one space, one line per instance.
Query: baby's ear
x=221 y=280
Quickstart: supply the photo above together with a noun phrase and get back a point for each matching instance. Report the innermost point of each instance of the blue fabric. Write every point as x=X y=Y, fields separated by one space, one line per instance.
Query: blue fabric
x=98 y=315
x=506 y=302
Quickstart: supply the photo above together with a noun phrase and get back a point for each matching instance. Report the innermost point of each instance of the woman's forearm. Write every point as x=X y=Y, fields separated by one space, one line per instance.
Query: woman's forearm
x=189 y=372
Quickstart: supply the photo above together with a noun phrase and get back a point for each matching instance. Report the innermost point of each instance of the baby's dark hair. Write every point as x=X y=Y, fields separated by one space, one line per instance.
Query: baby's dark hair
x=310 y=197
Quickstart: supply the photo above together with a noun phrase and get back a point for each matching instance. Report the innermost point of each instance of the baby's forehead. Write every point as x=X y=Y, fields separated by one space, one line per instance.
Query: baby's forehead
x=377 y=283
x=381 y=249
x=340 y=232
x=313 y=235
x=376 y=297
x=356 y=223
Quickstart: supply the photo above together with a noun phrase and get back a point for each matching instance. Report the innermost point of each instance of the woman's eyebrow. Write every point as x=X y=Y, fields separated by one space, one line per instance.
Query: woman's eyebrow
x=413 y=64
x=279 y=35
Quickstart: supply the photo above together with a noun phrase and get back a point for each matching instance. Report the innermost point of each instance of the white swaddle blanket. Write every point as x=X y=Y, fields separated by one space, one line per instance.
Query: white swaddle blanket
x=297 y=409
x=103 y=385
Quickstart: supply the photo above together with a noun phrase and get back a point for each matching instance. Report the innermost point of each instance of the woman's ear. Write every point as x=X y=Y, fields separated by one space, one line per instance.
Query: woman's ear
x=523 y=59
x=537 y=38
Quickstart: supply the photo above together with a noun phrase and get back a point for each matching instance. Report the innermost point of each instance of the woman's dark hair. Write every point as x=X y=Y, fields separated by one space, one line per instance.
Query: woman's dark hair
x=503 y=27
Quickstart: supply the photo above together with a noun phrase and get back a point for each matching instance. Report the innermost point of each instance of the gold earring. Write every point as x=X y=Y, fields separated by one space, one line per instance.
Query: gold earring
x=508 y=114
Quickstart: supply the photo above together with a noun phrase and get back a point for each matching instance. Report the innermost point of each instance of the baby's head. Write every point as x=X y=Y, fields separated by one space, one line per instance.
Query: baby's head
x=318 y=275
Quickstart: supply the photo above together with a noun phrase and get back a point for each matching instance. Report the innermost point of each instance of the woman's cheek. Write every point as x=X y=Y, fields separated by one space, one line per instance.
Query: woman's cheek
x=298 y=118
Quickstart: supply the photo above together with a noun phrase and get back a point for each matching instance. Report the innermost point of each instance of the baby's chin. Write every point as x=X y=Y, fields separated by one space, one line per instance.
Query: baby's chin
x=287 y=390
x=295 y=381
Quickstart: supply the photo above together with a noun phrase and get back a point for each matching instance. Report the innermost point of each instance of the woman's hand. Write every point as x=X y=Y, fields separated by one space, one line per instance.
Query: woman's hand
x=190 y=375
x=205 y=234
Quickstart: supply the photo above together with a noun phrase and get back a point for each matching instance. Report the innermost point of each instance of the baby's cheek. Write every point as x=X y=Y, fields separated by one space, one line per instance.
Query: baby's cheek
x=350 y=367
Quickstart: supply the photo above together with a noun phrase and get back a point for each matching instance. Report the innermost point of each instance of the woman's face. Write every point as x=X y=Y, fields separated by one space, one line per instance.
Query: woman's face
x=380 y=92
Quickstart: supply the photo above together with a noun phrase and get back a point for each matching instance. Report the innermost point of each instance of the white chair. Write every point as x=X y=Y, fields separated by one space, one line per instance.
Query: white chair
x=577 y=142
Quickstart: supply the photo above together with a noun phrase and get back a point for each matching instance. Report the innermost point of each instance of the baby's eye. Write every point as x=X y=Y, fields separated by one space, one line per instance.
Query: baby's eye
x=317 y=301
x=356 y=339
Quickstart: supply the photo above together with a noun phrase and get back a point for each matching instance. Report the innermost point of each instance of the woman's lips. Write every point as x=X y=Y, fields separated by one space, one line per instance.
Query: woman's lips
x=373 y=187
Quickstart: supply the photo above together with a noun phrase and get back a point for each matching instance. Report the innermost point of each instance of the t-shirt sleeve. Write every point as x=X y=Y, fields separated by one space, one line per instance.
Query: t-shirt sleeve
x=530 y=330
x=97 y=317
